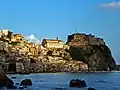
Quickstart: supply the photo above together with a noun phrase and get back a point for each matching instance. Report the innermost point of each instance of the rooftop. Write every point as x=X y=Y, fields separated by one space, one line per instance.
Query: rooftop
x=52 y=40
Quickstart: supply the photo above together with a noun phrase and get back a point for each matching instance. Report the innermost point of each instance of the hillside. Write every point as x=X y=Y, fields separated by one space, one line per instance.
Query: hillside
x=81 y=53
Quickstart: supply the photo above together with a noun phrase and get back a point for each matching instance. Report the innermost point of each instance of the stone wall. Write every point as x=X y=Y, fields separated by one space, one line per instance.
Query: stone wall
x=79 y=39
x=58 y=67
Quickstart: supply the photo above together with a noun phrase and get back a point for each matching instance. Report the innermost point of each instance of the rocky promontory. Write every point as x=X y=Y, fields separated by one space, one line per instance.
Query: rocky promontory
x=91 y=50
x=80 y=53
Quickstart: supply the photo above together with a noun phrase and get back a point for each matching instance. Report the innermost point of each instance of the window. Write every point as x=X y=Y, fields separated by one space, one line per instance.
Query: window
x=20 y=39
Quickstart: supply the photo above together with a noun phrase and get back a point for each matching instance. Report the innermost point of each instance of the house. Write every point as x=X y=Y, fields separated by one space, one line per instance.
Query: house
x=19 y=67
x=3 y=46
x=53 y=44
x=17 y=38
x=5 y=34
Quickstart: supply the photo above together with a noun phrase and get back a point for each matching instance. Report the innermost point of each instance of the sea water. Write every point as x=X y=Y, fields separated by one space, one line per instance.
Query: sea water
x=60 y=81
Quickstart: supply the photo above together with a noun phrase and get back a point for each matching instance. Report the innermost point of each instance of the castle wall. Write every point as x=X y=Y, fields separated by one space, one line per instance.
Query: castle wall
x=83 y=39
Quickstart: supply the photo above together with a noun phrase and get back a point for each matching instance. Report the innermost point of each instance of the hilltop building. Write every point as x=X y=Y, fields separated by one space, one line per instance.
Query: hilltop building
x=81 y=39
x=5 y=34
x=53 y=44
x=17 y=38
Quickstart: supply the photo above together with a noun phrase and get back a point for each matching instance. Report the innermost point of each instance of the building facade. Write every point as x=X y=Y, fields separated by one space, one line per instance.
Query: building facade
x=5 y=34
x=4 y=46
x=17 y=38
x=77 y=39
x=53 y=44
x=80 y=39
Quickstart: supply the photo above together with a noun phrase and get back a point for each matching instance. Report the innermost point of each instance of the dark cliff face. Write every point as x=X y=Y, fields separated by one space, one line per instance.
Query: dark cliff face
x=98 y=57
x=101 y=59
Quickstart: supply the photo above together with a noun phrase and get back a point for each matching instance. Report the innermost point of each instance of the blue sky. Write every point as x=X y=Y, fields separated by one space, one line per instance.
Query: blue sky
x=58 y=18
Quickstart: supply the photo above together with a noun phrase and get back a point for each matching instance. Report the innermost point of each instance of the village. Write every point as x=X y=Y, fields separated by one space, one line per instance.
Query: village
x=18 y=55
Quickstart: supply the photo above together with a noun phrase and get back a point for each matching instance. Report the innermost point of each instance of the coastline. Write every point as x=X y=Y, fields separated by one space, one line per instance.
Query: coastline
x=81 y=53
x=64 y=72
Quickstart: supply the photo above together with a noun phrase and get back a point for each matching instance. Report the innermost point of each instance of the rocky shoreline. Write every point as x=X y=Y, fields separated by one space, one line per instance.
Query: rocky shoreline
x=87 y=72
x=6 y=82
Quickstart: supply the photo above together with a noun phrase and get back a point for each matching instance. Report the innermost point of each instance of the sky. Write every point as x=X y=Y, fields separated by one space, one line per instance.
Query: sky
x=58 y=18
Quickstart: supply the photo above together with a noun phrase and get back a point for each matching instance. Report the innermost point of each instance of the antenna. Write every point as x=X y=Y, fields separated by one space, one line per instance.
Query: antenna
x=75 y=30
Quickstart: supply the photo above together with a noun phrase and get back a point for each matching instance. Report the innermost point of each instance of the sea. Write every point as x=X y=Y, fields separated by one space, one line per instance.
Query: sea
x=60 y=81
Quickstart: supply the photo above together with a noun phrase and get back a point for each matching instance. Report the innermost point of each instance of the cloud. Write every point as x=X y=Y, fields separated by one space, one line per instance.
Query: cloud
x=32 y=38
x=111 y=5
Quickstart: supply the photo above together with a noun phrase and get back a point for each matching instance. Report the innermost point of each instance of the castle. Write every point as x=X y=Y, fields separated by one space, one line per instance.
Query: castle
x=81 y=39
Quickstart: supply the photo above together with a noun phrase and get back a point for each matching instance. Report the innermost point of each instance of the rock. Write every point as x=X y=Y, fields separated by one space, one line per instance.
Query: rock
x=11 y=87
x=101 y=60
x=26 y=82
x=92 y=51
x=90 y=88
x=77 y=83
x=5 y=81
x=83 y=83
x=24 y=73
x=10 y=81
